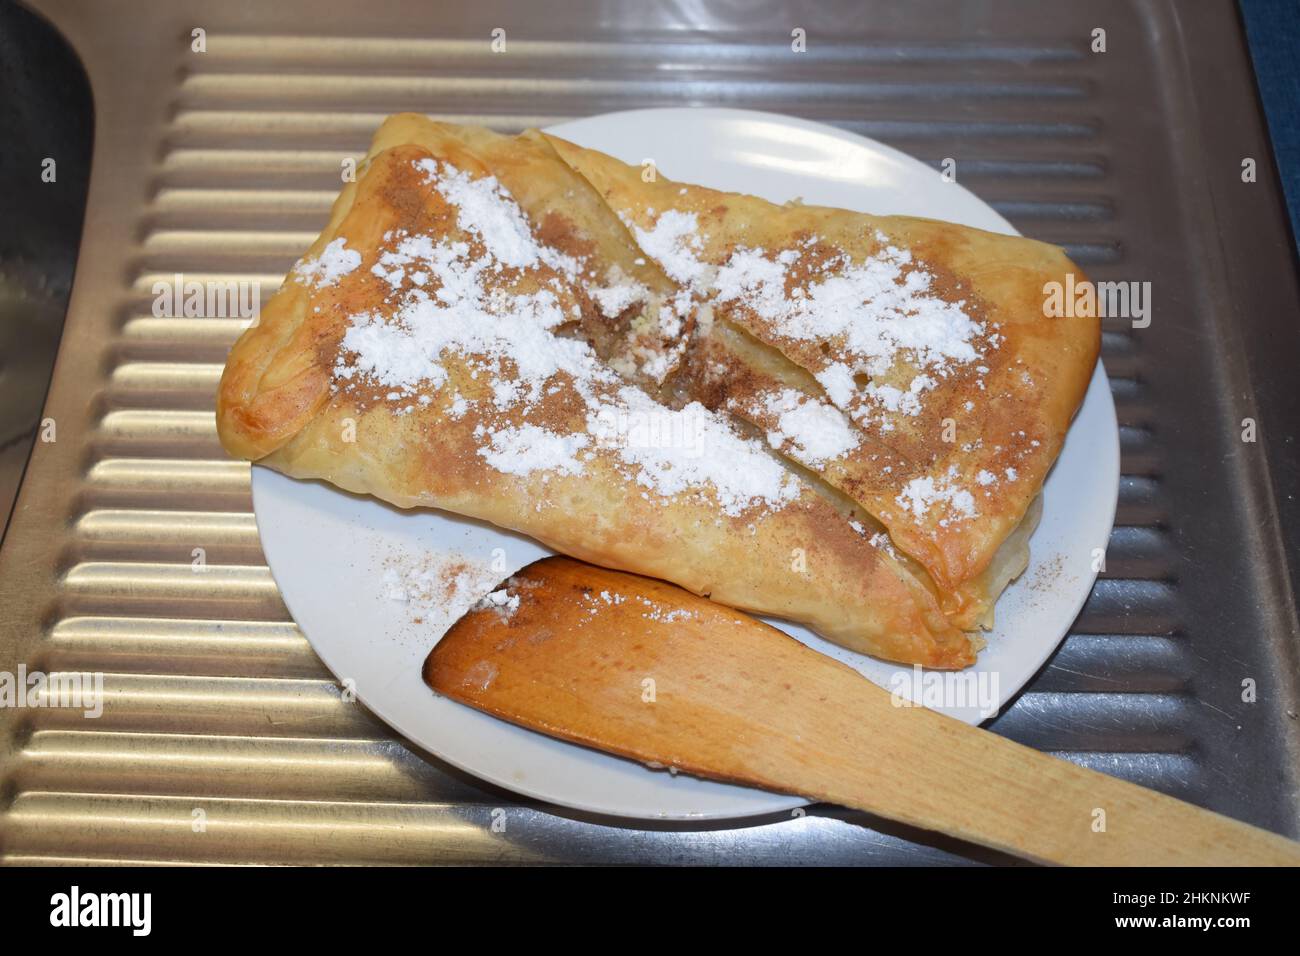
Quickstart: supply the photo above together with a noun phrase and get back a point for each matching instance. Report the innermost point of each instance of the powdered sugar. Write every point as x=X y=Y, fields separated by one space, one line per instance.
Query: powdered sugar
x=334 y=262
x=921 y=495
x=596 y=603
x=404 y=351
x=734 y=468
x=837 y=380
x=817 y=431
x=502 y=602
x=674 y=243
x=485 y=209
x=878 y=313
x=464 y=314
x=424 y=581
x=614 y=300
x=894 y=399
x=527 y=448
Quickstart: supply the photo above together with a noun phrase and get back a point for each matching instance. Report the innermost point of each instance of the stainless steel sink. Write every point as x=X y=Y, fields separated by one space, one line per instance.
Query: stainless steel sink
x=222 y=164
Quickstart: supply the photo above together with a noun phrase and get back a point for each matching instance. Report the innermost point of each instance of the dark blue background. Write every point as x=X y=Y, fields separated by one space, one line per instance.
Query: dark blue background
x=1273 y=32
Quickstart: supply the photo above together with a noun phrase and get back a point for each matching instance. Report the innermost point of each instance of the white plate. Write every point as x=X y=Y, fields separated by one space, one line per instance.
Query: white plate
x=336 y=557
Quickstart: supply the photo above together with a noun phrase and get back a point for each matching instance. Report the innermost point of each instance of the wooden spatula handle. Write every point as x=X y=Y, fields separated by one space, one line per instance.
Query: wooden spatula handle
x=940 y=774
x=646 y=670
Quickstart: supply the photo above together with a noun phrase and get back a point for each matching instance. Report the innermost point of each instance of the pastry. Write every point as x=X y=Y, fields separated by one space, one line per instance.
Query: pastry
x=436 y=347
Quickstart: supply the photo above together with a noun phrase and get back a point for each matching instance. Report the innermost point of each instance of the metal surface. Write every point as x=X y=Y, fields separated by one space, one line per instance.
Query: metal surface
x=224 y=740
x=45 y=112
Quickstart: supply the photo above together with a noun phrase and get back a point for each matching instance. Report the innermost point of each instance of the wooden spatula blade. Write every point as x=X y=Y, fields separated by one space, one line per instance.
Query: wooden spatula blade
x=646 y=670
x=602 y=659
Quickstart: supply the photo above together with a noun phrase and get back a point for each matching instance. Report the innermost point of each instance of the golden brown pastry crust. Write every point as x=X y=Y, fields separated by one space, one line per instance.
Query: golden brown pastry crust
x=280 y=403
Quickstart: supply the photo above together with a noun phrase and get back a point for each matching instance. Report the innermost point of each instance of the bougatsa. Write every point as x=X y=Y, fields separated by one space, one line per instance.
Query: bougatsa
x=473 y=331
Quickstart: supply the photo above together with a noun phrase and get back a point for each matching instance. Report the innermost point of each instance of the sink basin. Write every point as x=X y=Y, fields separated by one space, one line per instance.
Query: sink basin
x=45 y=114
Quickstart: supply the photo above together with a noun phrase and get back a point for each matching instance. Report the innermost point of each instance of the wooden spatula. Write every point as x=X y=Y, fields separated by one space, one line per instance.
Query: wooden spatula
x=649 y=671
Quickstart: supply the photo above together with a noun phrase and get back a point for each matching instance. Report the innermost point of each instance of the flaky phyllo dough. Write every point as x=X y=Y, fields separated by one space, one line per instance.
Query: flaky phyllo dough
x=744 y=399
